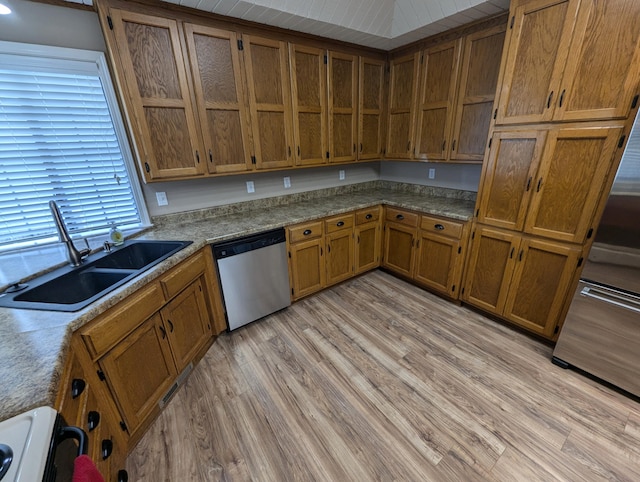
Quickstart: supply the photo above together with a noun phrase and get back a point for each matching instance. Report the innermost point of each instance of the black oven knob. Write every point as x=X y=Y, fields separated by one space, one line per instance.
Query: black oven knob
x=107 y=448
x=77 y=387
x=123 y=476
x=93 y=419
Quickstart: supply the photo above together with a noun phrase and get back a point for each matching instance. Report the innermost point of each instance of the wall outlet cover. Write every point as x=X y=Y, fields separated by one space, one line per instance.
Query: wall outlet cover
x=251 y=187
x=162 y=198
x=432 y=173
x=341 y=174
x=287 y=182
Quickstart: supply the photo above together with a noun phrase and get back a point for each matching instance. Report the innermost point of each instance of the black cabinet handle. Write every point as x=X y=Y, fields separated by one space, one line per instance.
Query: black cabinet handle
x=539 y=185
x=289 y=150
x=408 y=145
x=306 y=232
x=562 y=97
x=210 y=156
x=298 y=151
x=368 y=216
x=123 y=476
x=163 y=331
x=529 y=183
x=361 y=147
x=399 y=217
x=444 y=144
x=77 y=387
x=438 y=226
x=340 y=223
x=521 y=253
x=328 y=248
x=107 y=448
x=549 y=99
x=93 y=420
x=512 y=251
x=198 y=157
x=170 y=326
x=453 y=146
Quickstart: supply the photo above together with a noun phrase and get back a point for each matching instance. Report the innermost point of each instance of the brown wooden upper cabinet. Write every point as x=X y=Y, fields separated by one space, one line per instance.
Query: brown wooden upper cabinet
x=371 y=108
x=220 y=97
x=309 y=99
x=267 y=70
x=403 y=82
x=570 y=60
x=158 y=95
x=343 y=106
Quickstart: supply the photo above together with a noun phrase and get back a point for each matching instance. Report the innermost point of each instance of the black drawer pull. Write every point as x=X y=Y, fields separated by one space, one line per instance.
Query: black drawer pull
x=107 y=448
x=93 y=420
x=400 y=217
x=170 y=326
x=438 y=226
x=163 y=331
x=368 y=216
x=123 y=476
x=340 y=223
x=306 y=232
x=77 y=387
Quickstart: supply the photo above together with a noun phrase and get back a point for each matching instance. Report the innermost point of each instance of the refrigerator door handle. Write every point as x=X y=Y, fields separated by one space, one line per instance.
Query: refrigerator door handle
x=622 y=300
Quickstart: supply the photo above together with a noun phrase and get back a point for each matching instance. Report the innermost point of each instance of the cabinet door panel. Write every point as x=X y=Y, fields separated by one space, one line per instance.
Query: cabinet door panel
x=165 y=126
x=368 y=242
x=269 y=100
x=537 y=52
x=307 y=267
x=437 y=262
x=575 y=164
x=490 y=268
x=343 y=102
x=508 y=177
x=402 y=99
x=439 y=78
x=398 y=248
x=371 y=108
x=540 y=284
x=218 y=84
x=339 y=258
x=601 y=76
x=478 y=81
x=309 y=87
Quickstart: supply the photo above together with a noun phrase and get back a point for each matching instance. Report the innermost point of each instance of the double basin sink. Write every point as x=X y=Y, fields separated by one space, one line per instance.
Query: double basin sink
x=71 y=289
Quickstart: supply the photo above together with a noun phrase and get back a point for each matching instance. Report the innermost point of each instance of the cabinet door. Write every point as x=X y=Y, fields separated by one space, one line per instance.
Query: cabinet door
x=438 y=87
x=541 y=280
x=478 y=81
x=309 y=87
x=367 y=248
x=539 y=37
x=490 y=267
x=402 y=100
x=267 y=71
x=438 y=263
x=371 y=108
x=307 y=267
x=574 y=167
x=139 y=371
x=603 y=68
x=339 y=258
x=399 y=241
x=343 y=104
x=508 y=177
x=186 y=319
x=218 y=84
x=154 y=70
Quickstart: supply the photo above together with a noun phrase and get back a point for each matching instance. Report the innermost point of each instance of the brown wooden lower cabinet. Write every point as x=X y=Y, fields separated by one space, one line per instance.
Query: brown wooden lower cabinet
x=521 y=278
x=368 y=239
x=340 y=246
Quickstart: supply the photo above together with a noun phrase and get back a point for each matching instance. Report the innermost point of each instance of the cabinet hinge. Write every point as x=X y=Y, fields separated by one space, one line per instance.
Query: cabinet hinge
x=495 y=114
x=327 y=154
x=513 y=19
x=621 y=141
x=253 y=159
x=477 y=213
x=459 y=249
x=421 y=58
x=146 y=167
x=291 y=291
x=462 y=291
x=240 y=45
x=590 y=233
x=110 y=22
x=490 y=142
x=123 y=426
x=101 y=375
x=289 y=254
x=556 y=330
x=453 y=288
x=634 y=102
x=326 y=59
x=473 y=234
x=580 y=261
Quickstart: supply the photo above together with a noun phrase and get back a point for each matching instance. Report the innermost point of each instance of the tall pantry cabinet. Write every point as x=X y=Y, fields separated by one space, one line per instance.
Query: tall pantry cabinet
x=567 y=97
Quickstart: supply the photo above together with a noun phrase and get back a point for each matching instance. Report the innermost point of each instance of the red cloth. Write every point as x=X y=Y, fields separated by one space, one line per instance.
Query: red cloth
x=84 y=470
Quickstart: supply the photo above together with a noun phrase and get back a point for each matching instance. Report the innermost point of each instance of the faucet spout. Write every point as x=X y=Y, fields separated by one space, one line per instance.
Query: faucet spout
x=74 y=256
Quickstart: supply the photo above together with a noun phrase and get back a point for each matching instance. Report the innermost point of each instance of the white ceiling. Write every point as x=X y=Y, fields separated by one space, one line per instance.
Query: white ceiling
x=383 y=24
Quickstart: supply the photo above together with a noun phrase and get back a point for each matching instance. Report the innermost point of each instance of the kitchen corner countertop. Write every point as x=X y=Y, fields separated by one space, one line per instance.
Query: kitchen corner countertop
x=34 y=344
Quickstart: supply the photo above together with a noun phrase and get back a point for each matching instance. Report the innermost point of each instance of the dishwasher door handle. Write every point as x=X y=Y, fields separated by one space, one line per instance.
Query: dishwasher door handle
x=612 y=297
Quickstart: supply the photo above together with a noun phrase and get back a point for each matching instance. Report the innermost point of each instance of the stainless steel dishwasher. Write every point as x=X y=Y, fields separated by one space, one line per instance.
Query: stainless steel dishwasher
x=254 y=276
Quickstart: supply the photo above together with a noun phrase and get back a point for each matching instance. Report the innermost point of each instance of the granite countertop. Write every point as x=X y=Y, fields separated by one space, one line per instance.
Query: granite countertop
x=34 y=344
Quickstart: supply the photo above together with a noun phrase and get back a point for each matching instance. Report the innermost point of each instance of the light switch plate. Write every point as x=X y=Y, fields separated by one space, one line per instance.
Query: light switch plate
x=341 y=174
x=251 y=187
x=162 y=198
x=432 y=173
x=287 y=182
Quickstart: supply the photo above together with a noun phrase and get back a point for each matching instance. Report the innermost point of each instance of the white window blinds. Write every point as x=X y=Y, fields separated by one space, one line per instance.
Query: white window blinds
x=58 y=142
x=628 y=176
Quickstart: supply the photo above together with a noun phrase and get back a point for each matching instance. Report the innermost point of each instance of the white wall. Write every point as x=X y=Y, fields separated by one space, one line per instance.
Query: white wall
x=465 y=177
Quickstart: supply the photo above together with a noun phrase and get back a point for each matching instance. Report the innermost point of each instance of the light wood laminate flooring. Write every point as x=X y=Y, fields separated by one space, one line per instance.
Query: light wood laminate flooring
x=376 y=379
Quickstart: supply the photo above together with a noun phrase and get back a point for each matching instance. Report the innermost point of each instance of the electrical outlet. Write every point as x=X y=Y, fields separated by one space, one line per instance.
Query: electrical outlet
x=287 y=182
x=341 y=174
x=251 y=187
x=162 y=198
x=432 y=173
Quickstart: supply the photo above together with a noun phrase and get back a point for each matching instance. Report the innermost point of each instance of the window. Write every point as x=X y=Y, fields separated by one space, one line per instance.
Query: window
x=62 y=139
x=628 y=175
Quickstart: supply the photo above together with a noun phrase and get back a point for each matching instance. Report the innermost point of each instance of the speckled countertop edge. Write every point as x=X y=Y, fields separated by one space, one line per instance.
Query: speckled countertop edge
x=34 y=344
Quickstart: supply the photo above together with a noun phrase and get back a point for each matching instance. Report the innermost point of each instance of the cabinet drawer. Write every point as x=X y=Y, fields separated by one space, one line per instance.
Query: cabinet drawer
x=122 y=319
x=336 y=223
x=368 y=215
x=445 y=227
x=304 y=232
x=402 y=217
x=180 y=277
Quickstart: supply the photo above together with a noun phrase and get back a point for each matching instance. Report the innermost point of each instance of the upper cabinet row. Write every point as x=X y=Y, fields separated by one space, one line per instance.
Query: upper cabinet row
x=441 y=99
x=207 y=101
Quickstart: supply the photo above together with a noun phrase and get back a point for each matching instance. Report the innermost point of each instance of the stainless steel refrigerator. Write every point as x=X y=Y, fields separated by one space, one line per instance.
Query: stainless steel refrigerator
x=601 y=334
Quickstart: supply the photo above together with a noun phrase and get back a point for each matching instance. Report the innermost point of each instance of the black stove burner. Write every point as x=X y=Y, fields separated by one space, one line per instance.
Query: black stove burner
x=6 y=457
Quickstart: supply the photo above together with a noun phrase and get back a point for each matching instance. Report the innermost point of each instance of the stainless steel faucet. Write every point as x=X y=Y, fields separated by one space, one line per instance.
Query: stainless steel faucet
x=75 y=257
